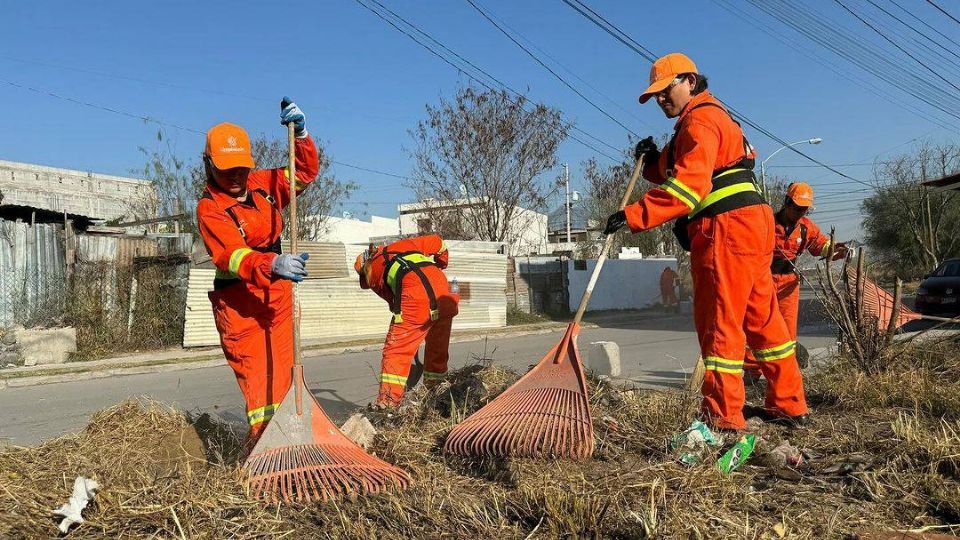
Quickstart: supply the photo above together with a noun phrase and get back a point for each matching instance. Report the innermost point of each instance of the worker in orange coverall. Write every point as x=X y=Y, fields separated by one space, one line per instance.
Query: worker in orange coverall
x=408 y=274
x=705 y=177
x=796 y=233
x=668 y=280
x=240 y=220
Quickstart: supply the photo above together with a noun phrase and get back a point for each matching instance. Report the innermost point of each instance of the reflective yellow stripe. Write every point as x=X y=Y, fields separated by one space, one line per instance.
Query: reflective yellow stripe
x=415 y=258
x=723 y=193
x=236 y=258
x=723 y=365
x=397 y=318
x=393 y=379
x=430 y=375
x=262 y=414
x=680 y=190
x=299 y=183
x=775 y=353
x=825 y=248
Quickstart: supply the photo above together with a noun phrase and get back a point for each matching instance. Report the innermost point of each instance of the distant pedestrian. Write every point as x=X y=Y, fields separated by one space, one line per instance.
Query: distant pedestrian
x=668 y=282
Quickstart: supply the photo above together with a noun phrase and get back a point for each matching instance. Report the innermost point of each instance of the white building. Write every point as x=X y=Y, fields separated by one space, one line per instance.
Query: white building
x=76 y=193
x=526 y=234
x=348 y=230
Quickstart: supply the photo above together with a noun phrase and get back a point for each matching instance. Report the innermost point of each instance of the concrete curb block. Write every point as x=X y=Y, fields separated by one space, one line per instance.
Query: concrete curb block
x=183 y=364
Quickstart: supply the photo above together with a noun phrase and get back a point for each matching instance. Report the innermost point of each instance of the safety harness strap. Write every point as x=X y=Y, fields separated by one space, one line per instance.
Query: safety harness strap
x=733 y=187
x=398 y=266
x=786 y=266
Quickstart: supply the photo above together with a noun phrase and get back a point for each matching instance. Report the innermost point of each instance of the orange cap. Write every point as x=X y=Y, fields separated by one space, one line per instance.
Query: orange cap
x=358 y=264
x=665 y=70
x=800 y=193
x=228 y=145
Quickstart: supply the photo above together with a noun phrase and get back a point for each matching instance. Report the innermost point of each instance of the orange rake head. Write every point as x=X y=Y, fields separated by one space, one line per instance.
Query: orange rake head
x=879 y=303
x=302 y=456
x=544 y=414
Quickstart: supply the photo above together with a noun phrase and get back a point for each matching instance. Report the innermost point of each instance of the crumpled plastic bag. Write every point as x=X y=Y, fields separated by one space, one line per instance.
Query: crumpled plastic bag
x=693 y=441
x=84 y=490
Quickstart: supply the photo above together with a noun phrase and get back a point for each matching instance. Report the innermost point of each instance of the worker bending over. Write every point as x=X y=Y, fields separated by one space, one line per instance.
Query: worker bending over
x=408 y=274
x=240 y=220
x=705 y=176
x=796 y=233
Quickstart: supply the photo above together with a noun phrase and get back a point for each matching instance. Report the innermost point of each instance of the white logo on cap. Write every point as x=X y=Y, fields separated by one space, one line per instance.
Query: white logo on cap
x=231 y=140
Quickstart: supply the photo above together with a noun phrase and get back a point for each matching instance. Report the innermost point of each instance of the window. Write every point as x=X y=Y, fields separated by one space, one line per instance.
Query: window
x=948 y=269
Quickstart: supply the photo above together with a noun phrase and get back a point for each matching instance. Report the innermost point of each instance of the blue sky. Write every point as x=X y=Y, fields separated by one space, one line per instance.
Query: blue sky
x=363 y=85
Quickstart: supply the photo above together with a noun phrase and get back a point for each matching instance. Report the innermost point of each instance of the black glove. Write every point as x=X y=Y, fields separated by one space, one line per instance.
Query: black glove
x=615 y=222
x=646 y=149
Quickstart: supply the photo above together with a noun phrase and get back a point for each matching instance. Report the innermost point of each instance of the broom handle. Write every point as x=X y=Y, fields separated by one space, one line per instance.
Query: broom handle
x=607 y=244
x=292 y=177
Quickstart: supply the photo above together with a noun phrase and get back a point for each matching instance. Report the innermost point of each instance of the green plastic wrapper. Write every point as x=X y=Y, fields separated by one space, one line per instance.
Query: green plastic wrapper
x=738 y=454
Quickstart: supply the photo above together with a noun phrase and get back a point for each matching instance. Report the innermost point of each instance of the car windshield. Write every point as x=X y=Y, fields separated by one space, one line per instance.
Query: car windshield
x=949 y=269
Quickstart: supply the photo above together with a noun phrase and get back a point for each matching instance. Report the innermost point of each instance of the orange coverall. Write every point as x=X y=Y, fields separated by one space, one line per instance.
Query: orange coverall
x=414 y=319
x=667 y=279
x=791 y=243
x=253 y=310
x=704 y=173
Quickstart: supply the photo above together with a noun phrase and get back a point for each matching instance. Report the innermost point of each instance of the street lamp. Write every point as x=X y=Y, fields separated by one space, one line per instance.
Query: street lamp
x=763 y=170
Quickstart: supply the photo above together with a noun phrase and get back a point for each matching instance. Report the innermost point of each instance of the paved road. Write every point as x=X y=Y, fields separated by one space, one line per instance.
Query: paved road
x=654 y=352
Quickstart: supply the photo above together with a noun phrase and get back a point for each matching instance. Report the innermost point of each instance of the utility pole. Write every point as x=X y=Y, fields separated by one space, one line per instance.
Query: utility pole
x=566 y=175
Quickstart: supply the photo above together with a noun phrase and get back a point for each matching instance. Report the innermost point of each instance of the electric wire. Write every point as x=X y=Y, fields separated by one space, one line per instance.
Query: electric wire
x=469 y=65
x=941 y=10
x=549 y=69
x=895 y=44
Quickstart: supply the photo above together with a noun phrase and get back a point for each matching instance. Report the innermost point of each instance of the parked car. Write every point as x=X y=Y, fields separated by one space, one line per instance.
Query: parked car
x=939 y=292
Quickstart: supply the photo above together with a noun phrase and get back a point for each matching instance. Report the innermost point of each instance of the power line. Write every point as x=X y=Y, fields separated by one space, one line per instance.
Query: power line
x=152 y=120
x=904 y=23
x=624 y=38
x=465 y=71
x=845 y=74
x=549 y=69
x=932 y=3
x=901 y=49
x=923 y=22
x=858 y=51
x=367 y=169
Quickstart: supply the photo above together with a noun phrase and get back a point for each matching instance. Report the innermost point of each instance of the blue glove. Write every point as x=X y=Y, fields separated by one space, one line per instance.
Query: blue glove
x=289 y=112
x=292 y=267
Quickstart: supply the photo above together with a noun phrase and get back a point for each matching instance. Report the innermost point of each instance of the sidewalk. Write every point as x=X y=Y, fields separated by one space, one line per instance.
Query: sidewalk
x=183 y=359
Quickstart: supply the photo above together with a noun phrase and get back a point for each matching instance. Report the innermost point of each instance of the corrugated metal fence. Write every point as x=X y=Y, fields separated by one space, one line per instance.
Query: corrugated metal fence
x=32 y=273
x=337 y=307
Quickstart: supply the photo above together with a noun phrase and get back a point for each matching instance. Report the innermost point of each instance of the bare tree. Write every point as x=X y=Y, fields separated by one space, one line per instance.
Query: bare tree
x=605 y=187
x=480 y=161
x=314 y=204
x=172 y=181
x=910 y=226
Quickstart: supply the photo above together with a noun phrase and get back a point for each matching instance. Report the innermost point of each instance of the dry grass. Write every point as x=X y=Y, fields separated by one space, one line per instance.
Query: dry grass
x=881 y=459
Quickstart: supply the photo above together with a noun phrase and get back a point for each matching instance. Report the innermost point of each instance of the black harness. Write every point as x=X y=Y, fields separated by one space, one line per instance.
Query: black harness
x=224 y=282
x=405 y=267
x=786 y=266
x=720 y=181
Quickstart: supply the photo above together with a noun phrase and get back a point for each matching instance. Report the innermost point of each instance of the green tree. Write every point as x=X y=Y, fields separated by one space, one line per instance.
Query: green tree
x=910 y=227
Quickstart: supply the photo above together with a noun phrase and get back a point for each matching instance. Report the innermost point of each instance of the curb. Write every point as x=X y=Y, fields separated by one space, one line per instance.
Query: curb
x=207 y=361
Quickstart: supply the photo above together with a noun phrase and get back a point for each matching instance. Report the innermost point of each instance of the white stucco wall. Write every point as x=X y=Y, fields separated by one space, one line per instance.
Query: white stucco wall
x=623 y=283
x=357 y=231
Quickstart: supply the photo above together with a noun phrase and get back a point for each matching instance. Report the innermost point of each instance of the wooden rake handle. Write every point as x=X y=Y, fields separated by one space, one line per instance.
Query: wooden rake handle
x=607 y=244
x=294 y=249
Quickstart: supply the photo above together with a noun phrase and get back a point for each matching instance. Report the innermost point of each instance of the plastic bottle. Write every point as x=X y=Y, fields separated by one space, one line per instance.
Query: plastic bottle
x=454 y=286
